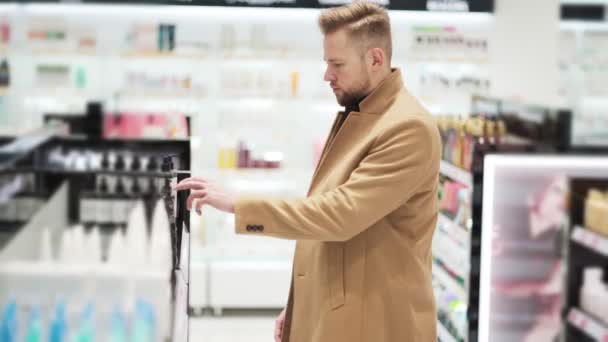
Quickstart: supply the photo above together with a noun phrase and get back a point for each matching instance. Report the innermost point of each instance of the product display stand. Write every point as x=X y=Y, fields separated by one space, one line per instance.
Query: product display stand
x=64 y=166
x=584 y=248
x=528 y=131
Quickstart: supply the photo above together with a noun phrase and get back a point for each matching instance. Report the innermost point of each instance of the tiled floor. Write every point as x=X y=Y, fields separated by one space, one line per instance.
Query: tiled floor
x=232 y=329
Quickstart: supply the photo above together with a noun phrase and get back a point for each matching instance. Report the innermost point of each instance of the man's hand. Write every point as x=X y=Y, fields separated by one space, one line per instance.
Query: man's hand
x=278 y=327
x=204 y=192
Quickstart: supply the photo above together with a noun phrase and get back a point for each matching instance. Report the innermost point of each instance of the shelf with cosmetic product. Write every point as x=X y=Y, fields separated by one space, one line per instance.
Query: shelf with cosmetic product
x=534 y=270
x=443 y=334
x=494 y=127
x=99 y=232
x=586 y=258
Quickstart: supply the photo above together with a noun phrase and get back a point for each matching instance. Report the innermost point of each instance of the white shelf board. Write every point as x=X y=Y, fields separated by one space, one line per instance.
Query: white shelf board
x=584 y=322
x=591 y=240
x=454 y=230
x=443 y=334
x=456 y=173
x=450 y=283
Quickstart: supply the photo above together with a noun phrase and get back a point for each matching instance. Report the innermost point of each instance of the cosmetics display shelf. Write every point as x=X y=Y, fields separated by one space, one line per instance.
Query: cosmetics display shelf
x=443 y=334
x=165 y=55
x=451 y=284
x=527 y=130
x=454 y=230
x=586 y=252
x=57 y=171
x=75 y=183
x=592 y=328
x=467 y=239
x=593 y=241
x=462 y=176
x=451 y=256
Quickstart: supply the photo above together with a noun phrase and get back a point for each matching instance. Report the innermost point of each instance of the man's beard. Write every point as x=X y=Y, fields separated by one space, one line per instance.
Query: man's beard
x=352 y=98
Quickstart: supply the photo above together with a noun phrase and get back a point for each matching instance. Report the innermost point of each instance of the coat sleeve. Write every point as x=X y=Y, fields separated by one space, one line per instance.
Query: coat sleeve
x=402 y=159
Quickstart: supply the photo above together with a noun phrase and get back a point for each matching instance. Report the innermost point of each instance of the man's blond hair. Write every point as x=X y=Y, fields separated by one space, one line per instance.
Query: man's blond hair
x=366 y=22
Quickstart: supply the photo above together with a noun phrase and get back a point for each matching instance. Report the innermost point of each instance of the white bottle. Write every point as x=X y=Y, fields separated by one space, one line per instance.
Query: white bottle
x=46 y=251
x=117 y=251
x=137 y=235
x=79 y=245
x=66 y=251
x=594 y=294
x=102 y=202
x=159 y=250
x=93 y=247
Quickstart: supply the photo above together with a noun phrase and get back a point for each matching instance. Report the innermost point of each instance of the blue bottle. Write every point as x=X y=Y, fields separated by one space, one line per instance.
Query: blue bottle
x=9 y=323
x=58 y=328
x=34 y=327
x=118 y=326
x=86 y=328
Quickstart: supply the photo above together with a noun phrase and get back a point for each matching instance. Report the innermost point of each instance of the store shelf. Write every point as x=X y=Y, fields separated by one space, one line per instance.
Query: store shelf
x=456 y=173
x=88 y=172
x=10 y=227
x=587 y=324
x=457 y=232
x=591 y=240
x=450 y=283
x=165 y=55
x=443 y=334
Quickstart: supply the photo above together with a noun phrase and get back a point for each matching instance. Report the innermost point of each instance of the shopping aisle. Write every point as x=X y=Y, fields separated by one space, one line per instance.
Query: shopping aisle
x=232 y=329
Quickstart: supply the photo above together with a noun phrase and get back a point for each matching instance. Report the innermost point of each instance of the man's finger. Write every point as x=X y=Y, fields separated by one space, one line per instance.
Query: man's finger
x=195 y=178
x=197 y=194
x=191 y=185
x=277 y=332
x=200 y=203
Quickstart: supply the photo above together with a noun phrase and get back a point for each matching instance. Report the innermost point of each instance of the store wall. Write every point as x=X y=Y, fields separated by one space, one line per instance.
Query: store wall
x=524 y=51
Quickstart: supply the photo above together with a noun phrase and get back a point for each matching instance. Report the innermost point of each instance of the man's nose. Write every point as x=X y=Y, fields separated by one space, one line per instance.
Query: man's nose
x=329 y=76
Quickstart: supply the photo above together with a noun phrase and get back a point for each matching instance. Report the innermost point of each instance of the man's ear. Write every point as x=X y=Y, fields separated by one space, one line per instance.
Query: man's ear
x=378 y=57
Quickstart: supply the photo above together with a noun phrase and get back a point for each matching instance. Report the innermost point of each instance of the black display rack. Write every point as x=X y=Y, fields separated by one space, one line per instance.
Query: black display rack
x=172 y=158
x=531 y=130
x=584 y=248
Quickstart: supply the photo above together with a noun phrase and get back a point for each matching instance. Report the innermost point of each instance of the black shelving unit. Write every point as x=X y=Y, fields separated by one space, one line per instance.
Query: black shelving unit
x=540 y=130
x=170 y=155
x=584 y=248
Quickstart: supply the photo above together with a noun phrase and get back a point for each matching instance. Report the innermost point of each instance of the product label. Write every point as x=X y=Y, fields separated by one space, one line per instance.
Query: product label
x=127 y=207
x=104 y=211
x=118 y=211
x=447 y=5
x=87 y=210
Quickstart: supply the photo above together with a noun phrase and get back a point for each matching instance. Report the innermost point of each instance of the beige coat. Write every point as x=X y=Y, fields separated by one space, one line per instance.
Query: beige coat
x=362 y=265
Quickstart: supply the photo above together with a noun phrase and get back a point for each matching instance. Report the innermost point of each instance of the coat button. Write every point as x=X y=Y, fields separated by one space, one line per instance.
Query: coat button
x=261 y=228
x=249 y=228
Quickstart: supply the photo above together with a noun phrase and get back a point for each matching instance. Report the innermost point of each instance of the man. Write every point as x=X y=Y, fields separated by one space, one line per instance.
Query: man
x=362 y=265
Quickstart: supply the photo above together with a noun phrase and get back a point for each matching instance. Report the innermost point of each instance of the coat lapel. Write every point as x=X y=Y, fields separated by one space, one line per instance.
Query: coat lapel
x=357 y=124
x=353 y=130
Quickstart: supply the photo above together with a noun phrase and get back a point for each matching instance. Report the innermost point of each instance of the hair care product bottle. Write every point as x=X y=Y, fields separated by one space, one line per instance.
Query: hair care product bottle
x=137 y=239
x=46 y=253
x=118 y=326
x=86 y=326
x=119 y=203
x=159 y=251
x=58 y=327
x=33 y=331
